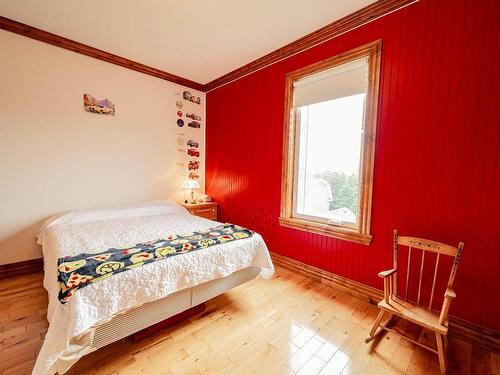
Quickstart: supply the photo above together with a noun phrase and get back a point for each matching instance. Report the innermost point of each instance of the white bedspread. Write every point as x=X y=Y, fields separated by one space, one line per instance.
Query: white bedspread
x=72 y=324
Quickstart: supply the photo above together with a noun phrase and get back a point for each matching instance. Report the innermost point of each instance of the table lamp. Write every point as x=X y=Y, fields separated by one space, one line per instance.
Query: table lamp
x=191 y=185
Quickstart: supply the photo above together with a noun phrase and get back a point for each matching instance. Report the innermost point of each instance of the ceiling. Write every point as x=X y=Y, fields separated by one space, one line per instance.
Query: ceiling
x=196 y=39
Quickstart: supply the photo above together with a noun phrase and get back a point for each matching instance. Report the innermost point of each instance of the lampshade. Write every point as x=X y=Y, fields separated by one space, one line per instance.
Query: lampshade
x=191 y=184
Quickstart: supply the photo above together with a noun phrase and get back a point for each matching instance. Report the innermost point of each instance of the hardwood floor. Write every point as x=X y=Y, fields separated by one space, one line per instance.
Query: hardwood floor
x=288 y=325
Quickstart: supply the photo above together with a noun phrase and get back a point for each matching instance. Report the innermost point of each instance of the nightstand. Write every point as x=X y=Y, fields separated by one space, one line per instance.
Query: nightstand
x=207 y=210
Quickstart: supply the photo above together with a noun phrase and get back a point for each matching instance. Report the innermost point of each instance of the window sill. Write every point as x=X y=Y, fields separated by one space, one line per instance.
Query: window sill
x=326 y=230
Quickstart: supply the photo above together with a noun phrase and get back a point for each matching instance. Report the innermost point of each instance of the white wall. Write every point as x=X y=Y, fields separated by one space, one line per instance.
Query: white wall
x=54 y=156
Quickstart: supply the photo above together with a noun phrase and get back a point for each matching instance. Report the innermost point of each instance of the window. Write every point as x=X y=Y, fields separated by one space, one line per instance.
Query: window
x=329 y=144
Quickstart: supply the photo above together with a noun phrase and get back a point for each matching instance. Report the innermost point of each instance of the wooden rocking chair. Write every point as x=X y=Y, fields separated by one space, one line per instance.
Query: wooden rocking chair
x=395 y=305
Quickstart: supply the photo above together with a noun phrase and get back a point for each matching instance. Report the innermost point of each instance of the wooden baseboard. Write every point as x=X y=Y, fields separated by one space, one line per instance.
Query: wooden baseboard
x=475 y=334
x=352 y=287
x=480 y=336
x=21 y=268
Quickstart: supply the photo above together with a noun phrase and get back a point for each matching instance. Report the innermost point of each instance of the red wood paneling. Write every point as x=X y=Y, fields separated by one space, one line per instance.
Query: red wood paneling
x=437 y=158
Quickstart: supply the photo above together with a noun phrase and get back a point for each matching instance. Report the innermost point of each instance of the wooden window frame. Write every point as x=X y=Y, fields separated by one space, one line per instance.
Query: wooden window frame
x=361 y=232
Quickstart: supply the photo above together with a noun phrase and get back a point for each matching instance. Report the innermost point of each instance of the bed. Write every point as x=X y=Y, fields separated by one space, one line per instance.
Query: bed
x=127 y=302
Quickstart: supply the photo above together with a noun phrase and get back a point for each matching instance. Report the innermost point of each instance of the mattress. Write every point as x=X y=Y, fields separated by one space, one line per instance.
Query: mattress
x=72 y=324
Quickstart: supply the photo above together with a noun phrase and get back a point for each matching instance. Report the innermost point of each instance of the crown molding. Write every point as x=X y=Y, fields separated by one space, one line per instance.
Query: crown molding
x=71 y=45
x=367 y=14
x=364 y=15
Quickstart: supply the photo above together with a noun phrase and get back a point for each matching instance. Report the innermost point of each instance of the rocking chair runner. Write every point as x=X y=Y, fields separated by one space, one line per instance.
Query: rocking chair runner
x=395 y=305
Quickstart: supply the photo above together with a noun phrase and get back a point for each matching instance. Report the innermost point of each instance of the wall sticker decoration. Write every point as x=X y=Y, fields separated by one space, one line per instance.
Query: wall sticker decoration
x=189 y=112
x=100 y=106
x=193 y=165
x=193 y=116
x=190 y=97
x=194 y=124
x=193 y=152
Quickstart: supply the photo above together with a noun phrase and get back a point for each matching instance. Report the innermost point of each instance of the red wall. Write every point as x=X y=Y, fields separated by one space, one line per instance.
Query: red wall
x=437 y=157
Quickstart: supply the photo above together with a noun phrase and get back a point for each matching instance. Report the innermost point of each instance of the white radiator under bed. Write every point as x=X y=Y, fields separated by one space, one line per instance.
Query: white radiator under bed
x=151 y=313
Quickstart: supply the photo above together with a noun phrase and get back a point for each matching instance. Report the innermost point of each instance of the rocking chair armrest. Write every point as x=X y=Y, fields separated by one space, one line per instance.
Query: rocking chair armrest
x=387 y=273
x=450 y=294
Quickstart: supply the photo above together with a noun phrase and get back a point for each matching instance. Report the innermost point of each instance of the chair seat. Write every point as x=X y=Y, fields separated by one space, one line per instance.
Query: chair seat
x=416 y=314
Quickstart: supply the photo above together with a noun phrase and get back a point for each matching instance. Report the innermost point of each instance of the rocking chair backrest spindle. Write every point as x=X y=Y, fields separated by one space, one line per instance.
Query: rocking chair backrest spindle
x=426 y=246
